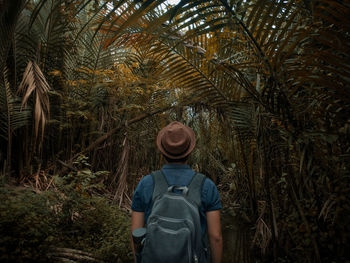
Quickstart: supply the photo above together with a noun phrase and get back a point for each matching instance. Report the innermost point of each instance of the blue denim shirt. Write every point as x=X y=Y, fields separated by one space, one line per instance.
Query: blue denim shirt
x=181 y=175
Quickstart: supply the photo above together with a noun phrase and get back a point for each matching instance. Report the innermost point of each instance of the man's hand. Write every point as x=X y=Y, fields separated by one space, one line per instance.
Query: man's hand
x=137 y=221
x=215 y=236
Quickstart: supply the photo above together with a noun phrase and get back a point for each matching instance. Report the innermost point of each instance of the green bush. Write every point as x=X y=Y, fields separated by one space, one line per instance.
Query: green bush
x=70 y=216
x=27 y=225
x=95 y=225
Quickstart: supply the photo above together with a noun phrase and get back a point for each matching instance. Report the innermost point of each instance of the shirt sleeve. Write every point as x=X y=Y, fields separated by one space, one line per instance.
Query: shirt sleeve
x=210 y=196
x=137 y=199
x=142 y=194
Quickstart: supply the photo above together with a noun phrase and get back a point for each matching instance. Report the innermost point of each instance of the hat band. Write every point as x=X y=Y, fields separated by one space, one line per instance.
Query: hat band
x=176 y=154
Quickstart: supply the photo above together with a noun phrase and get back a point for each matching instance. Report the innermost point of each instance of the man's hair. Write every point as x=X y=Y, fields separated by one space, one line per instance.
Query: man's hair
x=182 y=160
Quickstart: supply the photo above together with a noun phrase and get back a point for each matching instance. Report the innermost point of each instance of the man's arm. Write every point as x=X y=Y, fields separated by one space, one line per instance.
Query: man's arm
x=214 y=234
x=137 y=221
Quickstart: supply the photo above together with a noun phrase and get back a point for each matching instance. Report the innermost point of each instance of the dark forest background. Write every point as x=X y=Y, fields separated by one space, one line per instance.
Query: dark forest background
x=86 y=85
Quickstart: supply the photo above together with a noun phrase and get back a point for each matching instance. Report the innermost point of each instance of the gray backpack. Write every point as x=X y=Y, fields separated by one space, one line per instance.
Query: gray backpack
x=173 y=227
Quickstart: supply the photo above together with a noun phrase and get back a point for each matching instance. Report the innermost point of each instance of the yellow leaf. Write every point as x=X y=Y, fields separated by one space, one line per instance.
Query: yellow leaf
x=55 y=73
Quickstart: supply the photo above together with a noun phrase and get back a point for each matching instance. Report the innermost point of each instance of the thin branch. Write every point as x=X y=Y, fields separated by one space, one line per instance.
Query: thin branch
x=113 y=131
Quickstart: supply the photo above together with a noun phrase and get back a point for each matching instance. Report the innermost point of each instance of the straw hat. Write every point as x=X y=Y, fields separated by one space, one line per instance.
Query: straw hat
x=176 y=140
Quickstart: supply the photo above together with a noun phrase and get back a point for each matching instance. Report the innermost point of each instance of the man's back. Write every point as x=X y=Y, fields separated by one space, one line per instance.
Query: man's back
x=176 y=141
x=173 y=227
x=181 y=175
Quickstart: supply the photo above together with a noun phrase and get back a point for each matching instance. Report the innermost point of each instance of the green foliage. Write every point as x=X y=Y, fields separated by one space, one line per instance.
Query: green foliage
x=27 y=225
x=33 y=224
x=96 y=226
x=89 y=221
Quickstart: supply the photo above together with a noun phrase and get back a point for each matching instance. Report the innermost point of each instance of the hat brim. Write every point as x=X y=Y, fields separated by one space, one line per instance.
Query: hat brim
x=189 y=132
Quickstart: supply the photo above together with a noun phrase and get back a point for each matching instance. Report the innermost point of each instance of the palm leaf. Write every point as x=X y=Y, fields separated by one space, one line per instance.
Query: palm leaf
x=185 y=63
x=12 y=116
x=8 y=19
x=34 y=82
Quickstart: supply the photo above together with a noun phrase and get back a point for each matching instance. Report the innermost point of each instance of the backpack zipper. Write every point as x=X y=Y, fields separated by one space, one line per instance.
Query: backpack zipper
x=176 y=220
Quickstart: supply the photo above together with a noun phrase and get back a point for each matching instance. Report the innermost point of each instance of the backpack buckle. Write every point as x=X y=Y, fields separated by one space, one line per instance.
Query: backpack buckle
x=183 y=189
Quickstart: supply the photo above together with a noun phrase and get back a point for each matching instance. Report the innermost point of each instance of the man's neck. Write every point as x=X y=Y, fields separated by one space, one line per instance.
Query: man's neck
x=176 y=162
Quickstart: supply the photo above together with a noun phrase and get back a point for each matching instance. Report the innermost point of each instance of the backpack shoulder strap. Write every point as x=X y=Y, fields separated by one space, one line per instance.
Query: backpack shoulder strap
x=195 y=188
x=160 y=185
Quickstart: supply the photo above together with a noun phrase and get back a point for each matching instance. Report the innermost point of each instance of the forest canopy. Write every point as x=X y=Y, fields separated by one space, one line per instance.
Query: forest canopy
x=86 y=85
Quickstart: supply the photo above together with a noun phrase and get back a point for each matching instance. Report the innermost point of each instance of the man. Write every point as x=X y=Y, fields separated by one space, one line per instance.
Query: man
x=176 y=141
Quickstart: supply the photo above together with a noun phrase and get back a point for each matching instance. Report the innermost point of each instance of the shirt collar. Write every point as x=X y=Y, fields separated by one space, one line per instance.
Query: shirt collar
x=176 y=166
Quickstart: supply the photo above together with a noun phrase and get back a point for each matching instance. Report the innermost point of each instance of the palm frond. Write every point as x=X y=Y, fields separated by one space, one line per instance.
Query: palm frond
x=34 y=82
x=12 y=117
x=8 y=19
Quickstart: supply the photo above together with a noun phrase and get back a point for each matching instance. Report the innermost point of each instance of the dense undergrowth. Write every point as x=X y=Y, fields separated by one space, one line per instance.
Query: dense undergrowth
x=69 y=220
